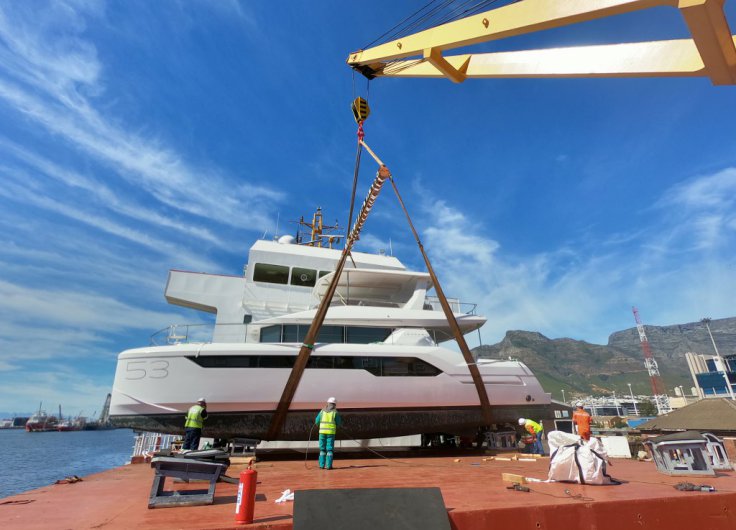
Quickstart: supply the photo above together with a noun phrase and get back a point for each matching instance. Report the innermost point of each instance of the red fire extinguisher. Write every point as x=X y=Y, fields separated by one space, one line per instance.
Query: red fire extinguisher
x=246 y=496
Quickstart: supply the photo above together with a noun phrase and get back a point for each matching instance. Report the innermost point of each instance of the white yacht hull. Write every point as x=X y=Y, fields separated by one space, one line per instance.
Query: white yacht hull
x=154 y=387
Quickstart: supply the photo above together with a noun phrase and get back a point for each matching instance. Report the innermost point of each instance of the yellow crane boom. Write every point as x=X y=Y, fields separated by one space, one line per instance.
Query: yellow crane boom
x=711 y=52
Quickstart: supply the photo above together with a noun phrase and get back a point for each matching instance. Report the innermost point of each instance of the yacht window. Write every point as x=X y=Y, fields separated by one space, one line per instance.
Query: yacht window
x=303 y=277
x=378 y=366
x=395 y=366
x=297 y=333
x=327 y=334
x=276 y=361
x=226 y=361
x=265 y=272
x=366 y=335
x=331 y=334
x=403 y=366
x=348 y=363
x=371 y=364
x=294 y=333
x=419 y=367
x=271 y=334
x=321 y=361
x=324 y=273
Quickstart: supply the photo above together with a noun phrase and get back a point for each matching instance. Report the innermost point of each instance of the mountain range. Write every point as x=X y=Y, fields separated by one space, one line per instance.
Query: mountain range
x=581 y=368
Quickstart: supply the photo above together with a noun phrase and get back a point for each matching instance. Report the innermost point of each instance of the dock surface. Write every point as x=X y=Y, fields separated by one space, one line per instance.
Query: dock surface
x=474 y=494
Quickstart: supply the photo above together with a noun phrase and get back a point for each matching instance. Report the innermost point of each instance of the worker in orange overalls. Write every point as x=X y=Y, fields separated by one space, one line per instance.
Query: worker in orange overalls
x=581 y=419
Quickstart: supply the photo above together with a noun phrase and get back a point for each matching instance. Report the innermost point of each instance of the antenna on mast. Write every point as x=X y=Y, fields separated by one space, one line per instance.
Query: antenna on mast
x=319 y=233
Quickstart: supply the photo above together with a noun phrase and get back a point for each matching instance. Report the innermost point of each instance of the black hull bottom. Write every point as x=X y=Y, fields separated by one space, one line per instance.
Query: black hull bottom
x=357 y=424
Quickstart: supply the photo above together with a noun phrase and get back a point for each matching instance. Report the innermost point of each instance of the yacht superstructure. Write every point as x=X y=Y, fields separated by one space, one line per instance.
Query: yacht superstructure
x=378 y=352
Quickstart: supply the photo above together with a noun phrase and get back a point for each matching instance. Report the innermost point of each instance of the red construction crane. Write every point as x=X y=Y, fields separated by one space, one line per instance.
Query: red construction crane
x=660 y=395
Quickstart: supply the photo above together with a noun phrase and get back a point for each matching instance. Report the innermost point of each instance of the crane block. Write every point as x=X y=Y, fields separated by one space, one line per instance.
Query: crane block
x=361 y=110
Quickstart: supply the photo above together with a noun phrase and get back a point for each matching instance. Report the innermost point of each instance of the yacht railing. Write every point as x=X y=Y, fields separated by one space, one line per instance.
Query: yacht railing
x=236 y=333
x=186 y=333
x=456 y=305
x=147 y=443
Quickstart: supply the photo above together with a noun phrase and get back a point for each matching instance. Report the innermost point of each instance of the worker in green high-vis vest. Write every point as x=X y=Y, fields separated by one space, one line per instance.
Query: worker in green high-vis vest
x=328 y=419
x=193 y=425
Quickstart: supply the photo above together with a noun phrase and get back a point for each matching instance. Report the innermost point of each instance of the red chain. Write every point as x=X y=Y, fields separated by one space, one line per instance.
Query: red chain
x=361 y=134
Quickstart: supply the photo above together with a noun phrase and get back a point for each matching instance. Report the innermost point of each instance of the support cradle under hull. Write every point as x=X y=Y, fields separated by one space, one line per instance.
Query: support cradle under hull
x=357 y=424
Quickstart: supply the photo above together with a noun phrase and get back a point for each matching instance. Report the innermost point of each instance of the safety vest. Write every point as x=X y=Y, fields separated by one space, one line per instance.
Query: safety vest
x=194 y=417
x=327 y=423
x=533 y=427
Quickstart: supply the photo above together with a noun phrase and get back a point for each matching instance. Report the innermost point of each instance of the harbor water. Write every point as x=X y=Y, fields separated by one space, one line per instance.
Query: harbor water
x=36 y=459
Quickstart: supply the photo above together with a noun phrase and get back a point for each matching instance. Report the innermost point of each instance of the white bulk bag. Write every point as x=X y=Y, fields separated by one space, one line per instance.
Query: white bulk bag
x=574 y=460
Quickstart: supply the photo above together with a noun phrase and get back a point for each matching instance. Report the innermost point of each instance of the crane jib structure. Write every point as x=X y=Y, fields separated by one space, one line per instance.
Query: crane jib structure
x=661 y=400
x=710 y=52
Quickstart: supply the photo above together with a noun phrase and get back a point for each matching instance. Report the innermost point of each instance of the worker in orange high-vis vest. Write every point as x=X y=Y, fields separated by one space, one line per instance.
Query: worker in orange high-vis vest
x=581 y=419
x=193 y=425
x=328 y=419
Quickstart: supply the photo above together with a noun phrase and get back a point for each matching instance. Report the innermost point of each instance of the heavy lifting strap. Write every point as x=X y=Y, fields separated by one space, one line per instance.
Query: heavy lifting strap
x=301 y=361
x=300 y=364
x=485 y=404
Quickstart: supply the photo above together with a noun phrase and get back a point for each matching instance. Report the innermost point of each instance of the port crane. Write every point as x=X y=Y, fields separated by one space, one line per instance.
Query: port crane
x=661 y=400
x=710 y=52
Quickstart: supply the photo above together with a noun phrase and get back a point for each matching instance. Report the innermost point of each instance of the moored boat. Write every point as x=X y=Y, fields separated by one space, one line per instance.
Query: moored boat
x=41 y=422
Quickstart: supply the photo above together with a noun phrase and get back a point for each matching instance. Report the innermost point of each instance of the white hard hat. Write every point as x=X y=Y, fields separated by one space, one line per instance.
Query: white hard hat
x=579 y=404
x=522 y=421
x=201 y=400
x=332 y=400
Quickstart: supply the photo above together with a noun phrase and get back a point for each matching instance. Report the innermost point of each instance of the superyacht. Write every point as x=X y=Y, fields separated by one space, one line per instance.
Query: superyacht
x=378 y=351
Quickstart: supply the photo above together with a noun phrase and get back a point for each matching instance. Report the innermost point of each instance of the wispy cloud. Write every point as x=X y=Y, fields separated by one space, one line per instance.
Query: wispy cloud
x=32 y=197
x=703 y=211
x=56 y=384
x=62 y=69
x=586 y=291
x=102 y=195
x=74 y=309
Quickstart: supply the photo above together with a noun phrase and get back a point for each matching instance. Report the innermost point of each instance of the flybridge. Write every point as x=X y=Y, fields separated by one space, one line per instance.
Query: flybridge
x=279 y=279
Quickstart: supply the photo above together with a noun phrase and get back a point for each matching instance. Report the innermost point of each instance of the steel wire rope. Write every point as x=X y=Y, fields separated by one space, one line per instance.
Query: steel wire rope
x=437 y=15
x=421 y=22
x=356 y=170
x=432 y=18
x=473 y=10
x=437 y=18
x=397 y=27
x=397 y=65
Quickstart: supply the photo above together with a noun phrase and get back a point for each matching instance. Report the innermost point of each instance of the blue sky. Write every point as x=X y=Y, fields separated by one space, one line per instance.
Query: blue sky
x=136 y=137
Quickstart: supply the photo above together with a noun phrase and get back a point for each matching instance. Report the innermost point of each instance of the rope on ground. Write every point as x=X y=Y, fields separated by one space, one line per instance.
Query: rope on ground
x=306 y=451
